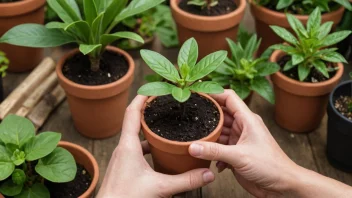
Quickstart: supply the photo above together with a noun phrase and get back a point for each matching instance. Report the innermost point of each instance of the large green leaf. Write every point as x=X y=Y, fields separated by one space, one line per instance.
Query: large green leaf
x=286 y=48
x=90 y=11
x=109 y=38
x=224 y=69
x=289 y=66
x=97 y=27
x=241 y=88
x=297 y=59
x=115 y=7
x=38 y=190
x=80 y=29
x=35 y=35
x=333 y=57
x=236 y=50
x=188 y=53
x=267 y=68
x=102 y=5
x=325 y=29
x=9 y=188
x=87 y=49
x=207 y=87
x=335 y=37
x=181 y=95
x=345 y=3
x=263 y=88
x=71 y=8
x=297 y=26
x=314 y=21
x=321 y=67
x=284 y=34
x=303 y=72
x=16 y=130
x=156 y=89
x=251 y=47
x=61 y=12
x=6 y=165
x=41 y=145
x=56 y=25
x=283 y=4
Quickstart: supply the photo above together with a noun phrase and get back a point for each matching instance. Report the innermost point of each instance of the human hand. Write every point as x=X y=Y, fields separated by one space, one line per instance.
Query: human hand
x=129 y=174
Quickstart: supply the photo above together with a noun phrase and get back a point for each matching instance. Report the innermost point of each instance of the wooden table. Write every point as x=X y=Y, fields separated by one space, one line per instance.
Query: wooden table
x=307 y=150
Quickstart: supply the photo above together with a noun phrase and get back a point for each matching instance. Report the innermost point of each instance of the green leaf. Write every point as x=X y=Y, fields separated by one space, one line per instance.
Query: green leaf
x=156 y=89
x=297 y=59
x=160 y=65
x=207 y=87
x=112 y=11
x=321 y=67
x=87 y=49
x=236 y=50
x=90 y=11
x=38 y=190
x=345 y=3
x=18 y=177
x=184 y=70
x=286 y=48
x=242 y=89
x=80 y=29
x=207 y=65
x=109 y=38
x=267 y=68
x=284 y=34
x=251 y=47
x=9 y=188
x=97 y=27
x=59 y=166
x=153 y=78
x=181 y=95
x=71 y=8
x=6 y=165
x=64 y=16
x=102 y=5
x=220 y=79
x=56 y=25
x=262 y=86
x=289 y=66
x=335 y=37
x=283 y=4
x=325 y=29
x=334 y=57
x=297 y=25
x=16 y=130
x=303 y=72
x=11 y=148
x=188 y=53
x=314 y=21
x=18 y=157
x=41 y=145
x=224 y=69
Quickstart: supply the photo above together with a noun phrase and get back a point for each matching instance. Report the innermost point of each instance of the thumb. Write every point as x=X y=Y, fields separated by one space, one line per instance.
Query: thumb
x=187 y=181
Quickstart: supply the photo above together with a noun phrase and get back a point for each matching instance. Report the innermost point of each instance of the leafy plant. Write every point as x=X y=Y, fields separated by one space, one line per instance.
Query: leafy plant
x=244 y=73
x=4 y=64
x=91 y=33
x=310 y=48
x=181 y=83
x=204 y=3
x=27 y=159
x=305 y=7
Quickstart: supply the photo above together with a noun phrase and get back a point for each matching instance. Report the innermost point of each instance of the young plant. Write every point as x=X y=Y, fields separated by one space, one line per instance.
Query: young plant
x=244 y=73
x=310 y=48
x=181 y=83
x=4 y=64
x=26 y=159
x=204 y=3
x=91 y=32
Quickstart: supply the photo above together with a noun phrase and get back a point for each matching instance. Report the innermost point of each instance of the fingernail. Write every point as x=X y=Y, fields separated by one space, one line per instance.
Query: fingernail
x=196 y=149
x=208 y=176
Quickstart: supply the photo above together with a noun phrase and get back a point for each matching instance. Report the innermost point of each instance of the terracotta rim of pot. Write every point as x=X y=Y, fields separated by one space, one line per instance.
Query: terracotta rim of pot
x=279 y=18
x=175 y=146
x=208 y=23
x=304 y=88
x=20 y=7
x=331 y=100
x=70 y=146
x=98 y=91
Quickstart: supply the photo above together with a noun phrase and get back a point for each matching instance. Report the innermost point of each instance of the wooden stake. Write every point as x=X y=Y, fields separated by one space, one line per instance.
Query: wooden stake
x=13 y=101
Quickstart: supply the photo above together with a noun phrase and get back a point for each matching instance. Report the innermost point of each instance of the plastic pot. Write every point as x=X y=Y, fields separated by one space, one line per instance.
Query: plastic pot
x=209 y=31
x=339 y=147
x=172 y=157
x=97 y=111
x=16 y=13
x=300 y=106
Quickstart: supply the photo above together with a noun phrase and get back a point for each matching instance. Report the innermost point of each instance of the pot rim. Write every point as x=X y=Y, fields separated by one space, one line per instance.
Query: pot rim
x=20 y=7
x=331 y=102
x=176 y=143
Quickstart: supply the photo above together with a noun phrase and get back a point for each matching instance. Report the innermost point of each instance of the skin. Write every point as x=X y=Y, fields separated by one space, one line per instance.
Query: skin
x=245 y=146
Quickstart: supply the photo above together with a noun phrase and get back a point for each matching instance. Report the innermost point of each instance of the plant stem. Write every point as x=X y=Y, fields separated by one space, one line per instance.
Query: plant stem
x=94 y=64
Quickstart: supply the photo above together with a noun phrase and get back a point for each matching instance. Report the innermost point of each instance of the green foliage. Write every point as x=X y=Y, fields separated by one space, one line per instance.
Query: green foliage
x=4 y=64
x=203 y=3
x=90 y=28
x=309 y=49
x=20 y=149
x=243 y=72
x=181 y=82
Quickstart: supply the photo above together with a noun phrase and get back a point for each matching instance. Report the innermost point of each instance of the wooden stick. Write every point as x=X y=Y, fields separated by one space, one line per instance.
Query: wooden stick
x=45 y=68
x=42 y=110
x=37 y=95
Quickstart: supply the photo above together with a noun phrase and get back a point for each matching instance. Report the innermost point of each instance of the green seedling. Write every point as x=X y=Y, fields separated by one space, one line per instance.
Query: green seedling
x=204 y=3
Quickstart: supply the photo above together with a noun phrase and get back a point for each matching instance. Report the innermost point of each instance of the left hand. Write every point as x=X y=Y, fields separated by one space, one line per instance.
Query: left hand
x=129 y=174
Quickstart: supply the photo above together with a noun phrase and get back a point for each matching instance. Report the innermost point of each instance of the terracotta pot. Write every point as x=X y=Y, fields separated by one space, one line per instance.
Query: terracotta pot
x=1 y=90
x=172 y=157
x=1 y=196
x=210 y=32
x=300 y=106
x=265 y=17
x=97 y=111
x=86 y=159
x=12 y=14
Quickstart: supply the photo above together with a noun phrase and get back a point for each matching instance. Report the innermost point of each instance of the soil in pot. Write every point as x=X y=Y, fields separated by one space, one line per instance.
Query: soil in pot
x=113 y=66
x=8 y=1
x=343 y=105
x=223 y=7
x=183 y=122
x=298 y=10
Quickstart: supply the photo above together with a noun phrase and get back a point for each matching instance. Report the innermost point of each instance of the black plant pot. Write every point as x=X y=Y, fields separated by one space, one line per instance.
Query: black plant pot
x=1 y=90
x=339 y=142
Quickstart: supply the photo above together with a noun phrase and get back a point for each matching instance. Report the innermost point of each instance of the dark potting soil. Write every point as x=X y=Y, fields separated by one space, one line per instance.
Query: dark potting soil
x=8 y=1
x=314 y=76
x=72 y=189
x=343 y=105
x=112 y=67
x=183 y=122
x=296 y=7
x=223 y=7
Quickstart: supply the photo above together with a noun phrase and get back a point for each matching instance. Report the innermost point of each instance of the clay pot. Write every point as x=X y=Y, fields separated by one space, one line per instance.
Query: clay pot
x=172 y=157
x=12 y=14
x=300 y=106
x=97 y=111
x=1 y=90
x=339 y=137
x=86 y=159
x=265 y=17
x=210 y=32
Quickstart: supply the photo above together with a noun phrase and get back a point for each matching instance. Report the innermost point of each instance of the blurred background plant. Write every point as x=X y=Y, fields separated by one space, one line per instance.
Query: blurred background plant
x=345 y=47
x=4 y=62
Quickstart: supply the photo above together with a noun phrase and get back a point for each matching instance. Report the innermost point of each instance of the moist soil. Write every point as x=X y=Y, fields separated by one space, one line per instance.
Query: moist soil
x=8 y=1
x=223 y=7
x=72 y=189
x=342 y=104
x=189 y=121
x=314 y=77
x=296 y=8
x=113 y=66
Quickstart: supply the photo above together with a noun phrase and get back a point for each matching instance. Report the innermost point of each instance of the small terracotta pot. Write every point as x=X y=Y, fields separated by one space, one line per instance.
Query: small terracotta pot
x=97 y=111
x=16 y=13
x=300 y=106
x=265 y=17
x=172 y=157
x=86 y=159
x=210 y=32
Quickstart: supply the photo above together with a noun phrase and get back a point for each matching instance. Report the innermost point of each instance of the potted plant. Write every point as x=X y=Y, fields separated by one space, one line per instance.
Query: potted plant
x=4 y=62
x=96 y=77
x=15 y=12
x=208 y=21
x=244 y=73
x=345 y=46
x=339 y=126
x=309 y=72
x=272 y=12
x=42 y=166
x=179 y=112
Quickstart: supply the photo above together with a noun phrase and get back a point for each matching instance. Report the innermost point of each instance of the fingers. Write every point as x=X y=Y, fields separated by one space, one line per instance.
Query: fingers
x=145 y=147
x=231 y=101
